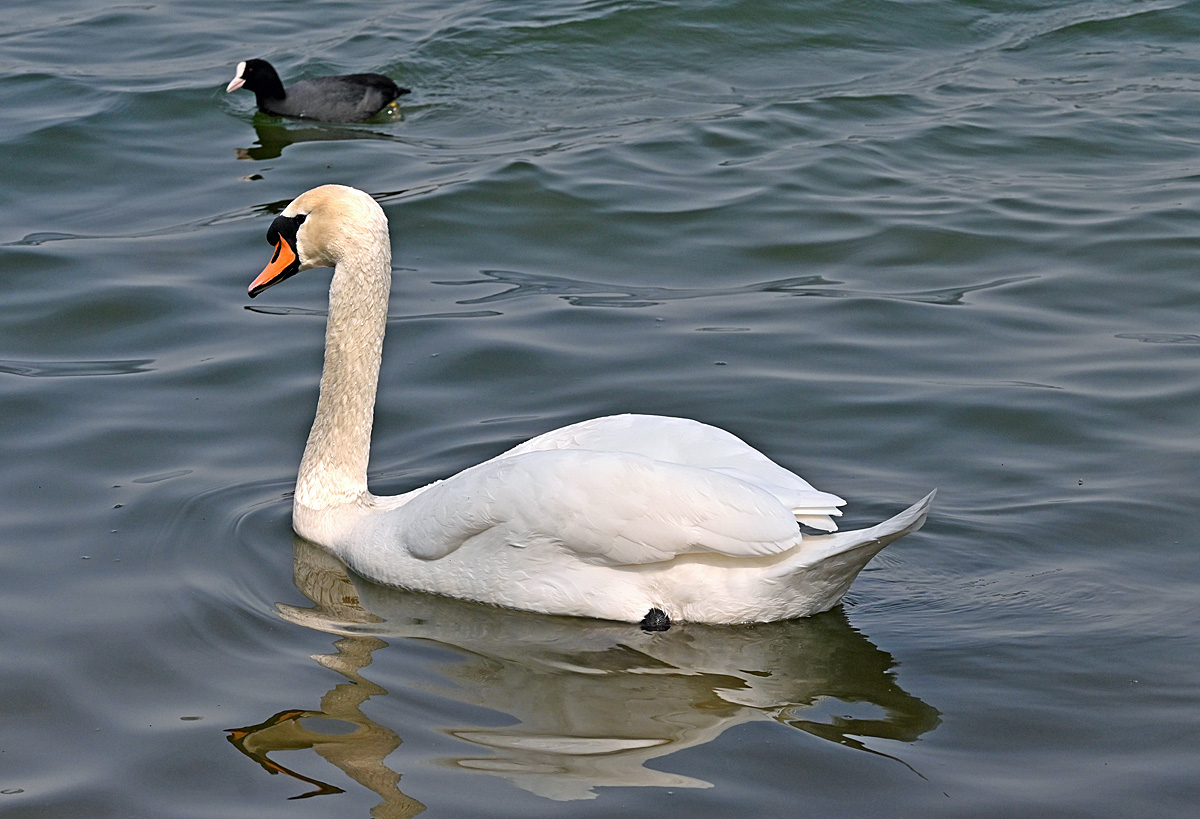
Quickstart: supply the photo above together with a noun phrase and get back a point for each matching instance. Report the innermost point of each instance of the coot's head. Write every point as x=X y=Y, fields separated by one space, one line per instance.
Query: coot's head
x=258 y=76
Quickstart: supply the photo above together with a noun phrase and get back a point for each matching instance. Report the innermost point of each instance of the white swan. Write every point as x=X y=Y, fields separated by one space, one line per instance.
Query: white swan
x=629 y=517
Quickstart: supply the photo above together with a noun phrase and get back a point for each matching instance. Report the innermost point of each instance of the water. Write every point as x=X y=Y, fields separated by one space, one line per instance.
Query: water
x=895 y=245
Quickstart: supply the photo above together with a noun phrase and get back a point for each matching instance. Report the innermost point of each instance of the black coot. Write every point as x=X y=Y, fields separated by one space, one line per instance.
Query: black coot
x=341 y=98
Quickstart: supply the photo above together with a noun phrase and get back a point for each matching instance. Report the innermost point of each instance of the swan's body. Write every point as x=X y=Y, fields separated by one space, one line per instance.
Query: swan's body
x=610 y=518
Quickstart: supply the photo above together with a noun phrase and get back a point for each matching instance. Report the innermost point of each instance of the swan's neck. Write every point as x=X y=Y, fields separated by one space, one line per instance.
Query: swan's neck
x=333 y=470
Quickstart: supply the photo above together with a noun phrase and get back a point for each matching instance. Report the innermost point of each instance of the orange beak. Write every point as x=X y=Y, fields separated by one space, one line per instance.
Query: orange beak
x=282 y=265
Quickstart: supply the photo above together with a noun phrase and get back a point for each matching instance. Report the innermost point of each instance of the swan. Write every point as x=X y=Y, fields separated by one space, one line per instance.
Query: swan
x=338 y=98
x=636 y=518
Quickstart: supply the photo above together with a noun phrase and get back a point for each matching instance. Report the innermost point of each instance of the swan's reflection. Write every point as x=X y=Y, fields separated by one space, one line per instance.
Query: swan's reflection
x=275 y=134
x=592 y=701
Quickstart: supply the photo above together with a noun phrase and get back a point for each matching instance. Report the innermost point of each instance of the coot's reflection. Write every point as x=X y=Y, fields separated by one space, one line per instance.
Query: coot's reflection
x=275 y=134
x=591 y=701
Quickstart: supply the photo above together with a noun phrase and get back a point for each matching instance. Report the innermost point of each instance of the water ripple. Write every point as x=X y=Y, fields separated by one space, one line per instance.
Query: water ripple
x=64 y=369
x=310 y=311
x=1162 y=338
x=582 y=293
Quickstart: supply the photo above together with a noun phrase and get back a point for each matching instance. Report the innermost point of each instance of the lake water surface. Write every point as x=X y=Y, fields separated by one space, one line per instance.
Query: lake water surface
x=896 y=245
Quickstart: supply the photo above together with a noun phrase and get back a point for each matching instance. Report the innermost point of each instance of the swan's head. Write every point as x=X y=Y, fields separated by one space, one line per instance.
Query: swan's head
x=317 y=229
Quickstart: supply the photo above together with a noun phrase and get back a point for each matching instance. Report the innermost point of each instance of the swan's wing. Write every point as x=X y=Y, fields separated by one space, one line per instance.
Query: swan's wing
x=690 y=443
x=603 y=508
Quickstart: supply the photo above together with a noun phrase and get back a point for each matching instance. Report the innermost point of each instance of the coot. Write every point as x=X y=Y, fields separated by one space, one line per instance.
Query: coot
x=341 y=98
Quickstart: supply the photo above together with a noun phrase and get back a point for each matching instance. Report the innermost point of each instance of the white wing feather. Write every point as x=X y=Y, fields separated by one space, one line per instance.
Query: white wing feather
x=690 y=443
x=566 y=499
x=616 y=491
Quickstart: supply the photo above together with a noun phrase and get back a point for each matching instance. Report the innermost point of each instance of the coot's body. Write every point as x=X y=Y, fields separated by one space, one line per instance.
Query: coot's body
x=340 y=98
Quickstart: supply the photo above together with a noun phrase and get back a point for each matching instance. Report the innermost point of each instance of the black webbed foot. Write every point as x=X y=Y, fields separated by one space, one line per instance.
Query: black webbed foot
x=655 y=620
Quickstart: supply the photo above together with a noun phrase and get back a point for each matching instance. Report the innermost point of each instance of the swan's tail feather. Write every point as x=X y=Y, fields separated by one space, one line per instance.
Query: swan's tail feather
x=828 y=564
x=822 y=547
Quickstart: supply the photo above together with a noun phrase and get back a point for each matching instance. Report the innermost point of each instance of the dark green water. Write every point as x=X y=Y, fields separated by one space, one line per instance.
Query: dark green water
x=897 y=245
